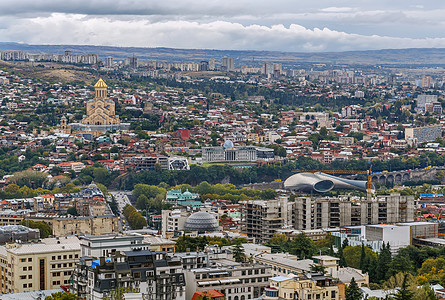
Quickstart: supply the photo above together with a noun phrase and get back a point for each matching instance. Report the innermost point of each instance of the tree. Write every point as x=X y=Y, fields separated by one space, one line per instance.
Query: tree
x=302 y=246
x=352 y=292
x=318 y=268
x=42 y=226
x=72 y=211
x=141 y=202
x=425 y=292
x=238 y=253
x=62 y=296
x=396 y=281
x=362 y=257
x=342 y=262
x=404 y=293
x=383 y=262
x=277 y=242
x=401 y=264
x=433 y=269
x=353 y=255
x=32 y=179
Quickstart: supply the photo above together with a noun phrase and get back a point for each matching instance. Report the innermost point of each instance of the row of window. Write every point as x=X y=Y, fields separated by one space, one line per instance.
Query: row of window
x=57 y=282
x=27 y=285
x=59 y=257
x=65 y=273
x=24 y=259
x=65 y=265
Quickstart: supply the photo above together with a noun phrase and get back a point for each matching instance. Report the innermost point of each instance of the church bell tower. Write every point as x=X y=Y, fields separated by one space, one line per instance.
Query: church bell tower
x=100 y=89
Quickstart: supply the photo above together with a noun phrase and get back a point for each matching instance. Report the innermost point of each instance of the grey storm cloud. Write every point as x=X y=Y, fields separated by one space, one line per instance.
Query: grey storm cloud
x=303 y=25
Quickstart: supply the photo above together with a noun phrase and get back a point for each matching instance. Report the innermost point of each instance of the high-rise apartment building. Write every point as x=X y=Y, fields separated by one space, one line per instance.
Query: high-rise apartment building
x=326 y=212
x=108 y=62
x=212 y=64
x=228 y=64
x=262 y=218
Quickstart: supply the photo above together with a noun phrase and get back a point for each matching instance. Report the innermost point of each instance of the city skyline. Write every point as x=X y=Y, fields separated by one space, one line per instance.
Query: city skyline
x=248 y=25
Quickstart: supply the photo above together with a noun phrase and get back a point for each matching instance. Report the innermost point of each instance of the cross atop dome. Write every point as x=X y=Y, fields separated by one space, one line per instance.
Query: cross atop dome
x=100 y=89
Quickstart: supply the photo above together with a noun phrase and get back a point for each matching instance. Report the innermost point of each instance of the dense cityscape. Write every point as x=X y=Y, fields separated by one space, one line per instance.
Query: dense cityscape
x=133 y=179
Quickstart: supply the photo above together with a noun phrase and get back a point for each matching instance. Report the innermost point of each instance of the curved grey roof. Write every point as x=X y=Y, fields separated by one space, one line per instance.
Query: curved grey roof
x=201 y=221
x=321 y=182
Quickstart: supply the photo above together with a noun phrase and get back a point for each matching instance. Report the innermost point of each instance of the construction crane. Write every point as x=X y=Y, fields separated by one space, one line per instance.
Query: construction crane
x=368 y=172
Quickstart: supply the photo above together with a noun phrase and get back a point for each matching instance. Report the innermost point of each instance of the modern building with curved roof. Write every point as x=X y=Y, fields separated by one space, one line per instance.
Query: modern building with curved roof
x=321 y=182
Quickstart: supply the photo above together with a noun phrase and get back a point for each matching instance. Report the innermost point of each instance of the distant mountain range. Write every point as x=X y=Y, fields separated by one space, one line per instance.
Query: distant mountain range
x=413 y=56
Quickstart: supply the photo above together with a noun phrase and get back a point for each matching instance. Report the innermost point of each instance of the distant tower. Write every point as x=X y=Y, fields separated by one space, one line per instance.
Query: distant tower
x=100 y=89
x=211 y=64
x=109 y=61
x=228 y=64
x=63 y=125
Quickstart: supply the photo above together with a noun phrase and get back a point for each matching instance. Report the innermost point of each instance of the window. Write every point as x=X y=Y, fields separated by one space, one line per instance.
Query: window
x=53 y=258
x=30 y=268
x=64 y=257
x=25 y=268
x=76 y=256
x=22 y=276
x=59 y=257
x=22 y=259
x=25 y=285
x=30 y=285
x=30 y=259
x=30 y=277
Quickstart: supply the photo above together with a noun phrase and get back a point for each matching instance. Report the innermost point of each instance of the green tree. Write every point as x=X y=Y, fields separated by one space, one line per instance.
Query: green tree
x=353 y=255
x=141 y=202
x=302 y=246
x=401 y=264
x=62 y=296
x=278 y=243
x=238 y=253
x=404 y=293
x=42 y=226
x=425 y=292
x=72 y=211
x=362 y=257
x=352 y=292
x=383 y=262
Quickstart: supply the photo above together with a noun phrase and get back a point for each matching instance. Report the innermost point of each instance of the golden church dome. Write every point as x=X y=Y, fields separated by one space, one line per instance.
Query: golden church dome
x=100 y=84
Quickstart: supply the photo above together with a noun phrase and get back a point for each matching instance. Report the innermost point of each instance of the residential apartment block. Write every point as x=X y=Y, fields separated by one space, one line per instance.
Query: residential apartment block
x=423 y=134
x=38 y=266
x=150 y=275
x=234 y=280
x=262 y=218
x=325 y=212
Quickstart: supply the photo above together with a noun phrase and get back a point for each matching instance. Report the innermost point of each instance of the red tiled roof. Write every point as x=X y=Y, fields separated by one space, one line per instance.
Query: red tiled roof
x=211 y=294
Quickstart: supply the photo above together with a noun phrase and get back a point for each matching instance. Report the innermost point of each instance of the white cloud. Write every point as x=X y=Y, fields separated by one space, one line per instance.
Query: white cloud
x=231 y=24
x=82 y=29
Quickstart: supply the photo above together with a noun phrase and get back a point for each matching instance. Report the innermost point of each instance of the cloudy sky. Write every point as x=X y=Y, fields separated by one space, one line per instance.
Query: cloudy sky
x=291 y=25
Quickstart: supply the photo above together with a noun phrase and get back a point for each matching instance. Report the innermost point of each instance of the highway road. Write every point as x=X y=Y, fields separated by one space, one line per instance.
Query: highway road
x=122 y=200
